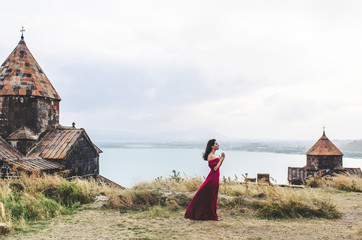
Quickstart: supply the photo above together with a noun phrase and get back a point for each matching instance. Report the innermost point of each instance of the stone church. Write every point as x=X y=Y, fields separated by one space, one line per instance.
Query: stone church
x=323 y=158
x=31 y=137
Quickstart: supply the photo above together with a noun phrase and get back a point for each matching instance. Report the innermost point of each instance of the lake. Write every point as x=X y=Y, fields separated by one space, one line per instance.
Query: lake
x=128 y=166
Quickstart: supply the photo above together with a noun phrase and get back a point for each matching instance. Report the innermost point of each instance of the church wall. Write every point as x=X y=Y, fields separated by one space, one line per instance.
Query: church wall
x=37 y=114
x=312 y=162
x=4 y=117
x=82 y=159
x=5 y=171
x=324 y=162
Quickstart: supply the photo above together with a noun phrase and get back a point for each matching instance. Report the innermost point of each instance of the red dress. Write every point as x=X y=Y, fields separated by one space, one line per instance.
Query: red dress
x=203 y=205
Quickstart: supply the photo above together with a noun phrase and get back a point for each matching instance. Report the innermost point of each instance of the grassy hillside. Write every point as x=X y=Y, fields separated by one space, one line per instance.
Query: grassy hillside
x=31 y=200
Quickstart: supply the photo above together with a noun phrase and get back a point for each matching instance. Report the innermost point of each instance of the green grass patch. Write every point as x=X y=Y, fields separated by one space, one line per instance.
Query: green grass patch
x=30 y=208
x=157 y=211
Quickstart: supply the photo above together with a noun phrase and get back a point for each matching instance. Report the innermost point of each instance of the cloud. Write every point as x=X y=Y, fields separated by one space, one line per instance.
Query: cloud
x=244 y=69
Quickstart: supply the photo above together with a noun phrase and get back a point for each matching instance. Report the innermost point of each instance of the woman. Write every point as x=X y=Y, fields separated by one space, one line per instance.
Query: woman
x=203 y=205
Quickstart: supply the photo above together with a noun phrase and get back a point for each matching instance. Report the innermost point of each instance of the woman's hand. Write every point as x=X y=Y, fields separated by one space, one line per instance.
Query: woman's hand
x=222 y=157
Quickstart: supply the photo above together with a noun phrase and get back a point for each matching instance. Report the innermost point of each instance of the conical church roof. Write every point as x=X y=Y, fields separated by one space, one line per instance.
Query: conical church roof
x=21 y=75
x=324 y=147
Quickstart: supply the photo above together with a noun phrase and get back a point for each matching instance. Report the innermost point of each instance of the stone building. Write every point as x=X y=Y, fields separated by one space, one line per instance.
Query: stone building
x=70 y=147
x=324 y=155
x=27 y=97
x=30 y=134
x=322 y=158
x=10 y=157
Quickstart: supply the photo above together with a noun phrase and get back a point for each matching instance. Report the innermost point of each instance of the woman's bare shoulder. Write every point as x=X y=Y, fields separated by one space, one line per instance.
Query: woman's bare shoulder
x=211 y=157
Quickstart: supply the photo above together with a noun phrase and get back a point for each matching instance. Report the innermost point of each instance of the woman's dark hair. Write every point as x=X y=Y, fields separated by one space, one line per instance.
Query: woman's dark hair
x=208 y=149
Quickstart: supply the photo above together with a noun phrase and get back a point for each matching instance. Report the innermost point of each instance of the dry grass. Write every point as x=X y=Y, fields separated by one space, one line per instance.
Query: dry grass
x=169 y=193
x=134 y=200
x=346 y=182
x=343 y=182
x=159 y=223
x=261 y=200
x=270 y=201
x=155 y=210
x=39 y=196
x=181 y=185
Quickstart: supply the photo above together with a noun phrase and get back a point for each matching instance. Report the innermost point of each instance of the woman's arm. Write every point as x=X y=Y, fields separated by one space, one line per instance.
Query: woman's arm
x=222 y=157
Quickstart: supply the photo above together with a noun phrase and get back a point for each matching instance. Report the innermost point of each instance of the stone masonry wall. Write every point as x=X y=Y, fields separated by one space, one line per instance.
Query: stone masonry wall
x=324 y=162
x=83 y=160
x=5 y=171
x=35 y=113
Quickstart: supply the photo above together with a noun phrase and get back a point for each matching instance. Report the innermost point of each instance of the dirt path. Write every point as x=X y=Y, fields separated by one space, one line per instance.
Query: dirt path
x=96 y=223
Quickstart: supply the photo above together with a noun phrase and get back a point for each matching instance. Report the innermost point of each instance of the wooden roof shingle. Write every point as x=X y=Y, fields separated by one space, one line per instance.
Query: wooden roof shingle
x=324 y=147
x=57 y=143
x=8 y=151
x=34 y=163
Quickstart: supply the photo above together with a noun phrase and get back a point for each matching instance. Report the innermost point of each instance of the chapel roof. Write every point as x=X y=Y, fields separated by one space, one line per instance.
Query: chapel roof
x=21 y=75
x=22 y=133
x=57 y=143
x=324 y=147
x=8 y=151
x=34 y=163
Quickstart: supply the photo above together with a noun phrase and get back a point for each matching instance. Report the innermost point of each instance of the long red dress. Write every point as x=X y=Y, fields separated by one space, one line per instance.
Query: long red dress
x=203 y=205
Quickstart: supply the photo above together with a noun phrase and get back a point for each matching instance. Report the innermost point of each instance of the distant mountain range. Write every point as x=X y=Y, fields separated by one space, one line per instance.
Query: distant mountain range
x=197 y=138
x=350 y=148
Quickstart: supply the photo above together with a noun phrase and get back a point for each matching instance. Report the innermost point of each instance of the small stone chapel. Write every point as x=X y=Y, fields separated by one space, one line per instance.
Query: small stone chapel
x=31 y=137
x=323 y=158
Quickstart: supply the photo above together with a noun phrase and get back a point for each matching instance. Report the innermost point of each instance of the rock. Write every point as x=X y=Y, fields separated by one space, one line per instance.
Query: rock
x=101 y=198
x=4 y=228
x=261 y=195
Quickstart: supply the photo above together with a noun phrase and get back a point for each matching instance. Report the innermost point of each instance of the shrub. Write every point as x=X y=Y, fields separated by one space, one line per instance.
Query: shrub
x=314 y=182
x=69 y=194
x=29 y=208
x=236 y=202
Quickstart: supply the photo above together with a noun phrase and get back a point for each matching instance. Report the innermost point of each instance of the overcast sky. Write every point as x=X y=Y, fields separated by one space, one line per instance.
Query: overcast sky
x=239 y=69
